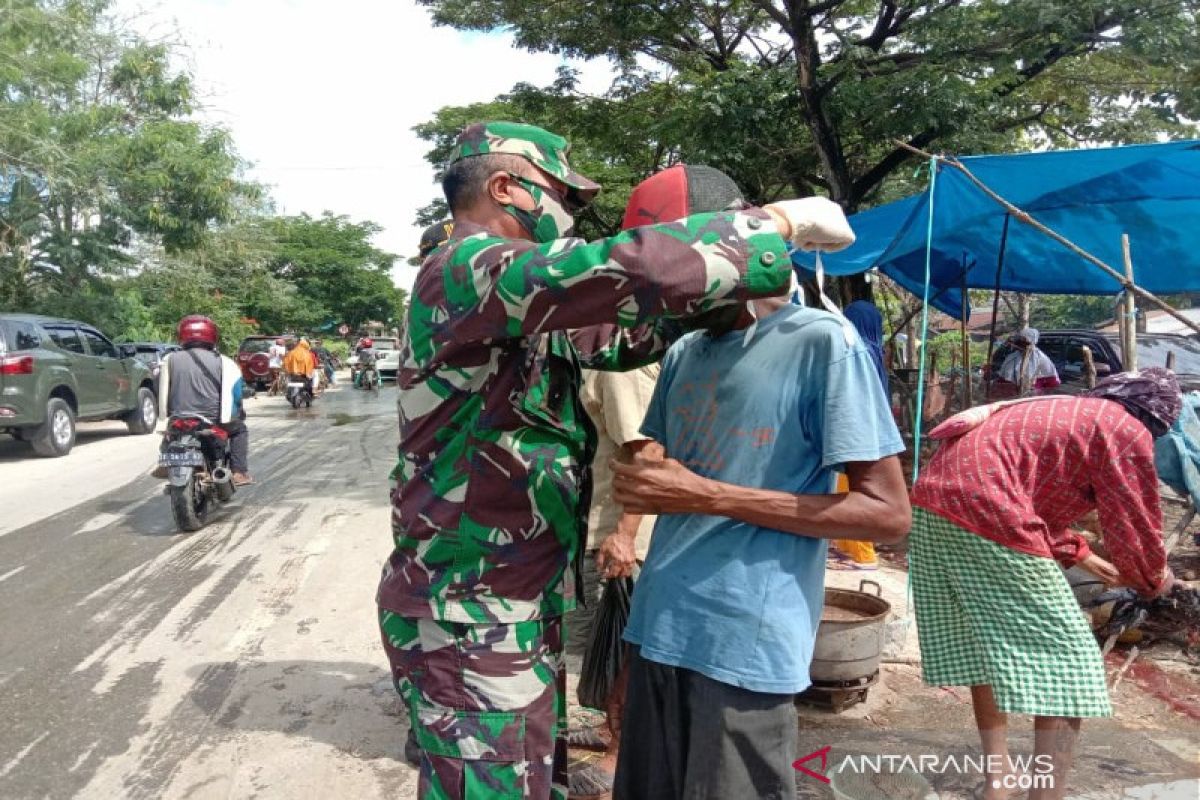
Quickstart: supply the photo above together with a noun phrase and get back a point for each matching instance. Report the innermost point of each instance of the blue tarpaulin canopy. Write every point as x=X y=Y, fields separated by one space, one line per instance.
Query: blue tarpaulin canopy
x=1091 y=197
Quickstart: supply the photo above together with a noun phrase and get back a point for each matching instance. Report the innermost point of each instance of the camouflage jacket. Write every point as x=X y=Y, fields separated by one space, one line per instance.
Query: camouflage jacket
x=495 y=447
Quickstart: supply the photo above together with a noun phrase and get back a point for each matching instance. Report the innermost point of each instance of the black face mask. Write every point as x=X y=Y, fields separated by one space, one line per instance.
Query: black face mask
x=715 y=322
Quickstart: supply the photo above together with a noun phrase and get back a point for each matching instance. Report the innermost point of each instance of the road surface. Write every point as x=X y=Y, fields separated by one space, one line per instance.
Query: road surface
x=240 y=661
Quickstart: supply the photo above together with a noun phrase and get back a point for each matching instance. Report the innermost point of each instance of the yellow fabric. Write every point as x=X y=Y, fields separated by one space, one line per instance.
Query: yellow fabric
x=616 y=403
x=859 y=552
x=298 y=361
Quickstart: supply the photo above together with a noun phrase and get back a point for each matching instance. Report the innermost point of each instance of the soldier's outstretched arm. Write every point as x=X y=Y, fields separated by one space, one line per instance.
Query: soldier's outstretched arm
x=614 y=349
x=501 y=288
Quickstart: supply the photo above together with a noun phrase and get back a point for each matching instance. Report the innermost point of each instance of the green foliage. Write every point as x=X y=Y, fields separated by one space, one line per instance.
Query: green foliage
x=119 y=208
x=335 y=268
x=97 y=149
x=947 y=348
x=1070 y=311
x=797 y=98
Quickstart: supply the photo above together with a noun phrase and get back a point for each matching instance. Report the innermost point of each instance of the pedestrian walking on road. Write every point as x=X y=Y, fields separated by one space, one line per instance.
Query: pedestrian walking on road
x=495 y=449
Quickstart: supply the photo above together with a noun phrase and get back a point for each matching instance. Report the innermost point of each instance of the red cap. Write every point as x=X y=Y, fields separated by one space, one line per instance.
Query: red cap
x=678 y=192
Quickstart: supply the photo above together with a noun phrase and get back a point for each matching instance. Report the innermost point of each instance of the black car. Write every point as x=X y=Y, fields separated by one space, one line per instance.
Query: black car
x=151 y=354
x=1065 y=349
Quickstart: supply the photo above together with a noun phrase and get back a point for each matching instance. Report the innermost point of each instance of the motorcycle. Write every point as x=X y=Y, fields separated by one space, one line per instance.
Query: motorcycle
x=299 y=391
x=195 y=454
x=368 y=377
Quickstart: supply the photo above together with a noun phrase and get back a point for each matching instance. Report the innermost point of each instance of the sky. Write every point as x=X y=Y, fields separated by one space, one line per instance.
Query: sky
x=320 y=97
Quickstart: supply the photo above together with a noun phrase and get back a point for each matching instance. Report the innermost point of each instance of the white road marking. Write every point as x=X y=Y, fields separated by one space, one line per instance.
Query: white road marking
x=10 y=573
x=19 y=757
x=97 y=522
x=83 y=757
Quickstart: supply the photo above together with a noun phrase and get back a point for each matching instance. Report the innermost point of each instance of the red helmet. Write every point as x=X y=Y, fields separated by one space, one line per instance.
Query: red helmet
x=197 y=329
x=367 y=341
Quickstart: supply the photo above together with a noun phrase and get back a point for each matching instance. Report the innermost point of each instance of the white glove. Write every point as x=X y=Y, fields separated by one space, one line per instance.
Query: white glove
x=817 y=223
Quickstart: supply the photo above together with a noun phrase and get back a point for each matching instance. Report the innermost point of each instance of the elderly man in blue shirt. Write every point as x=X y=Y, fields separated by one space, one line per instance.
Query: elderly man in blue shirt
x=751 y=422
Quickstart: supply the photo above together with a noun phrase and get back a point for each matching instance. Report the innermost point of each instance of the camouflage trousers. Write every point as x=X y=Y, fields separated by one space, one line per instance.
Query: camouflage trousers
x=487 y=703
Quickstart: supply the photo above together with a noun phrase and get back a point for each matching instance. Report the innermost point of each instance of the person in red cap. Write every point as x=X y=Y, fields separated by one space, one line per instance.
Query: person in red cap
x=199 y=380
x=756 y=413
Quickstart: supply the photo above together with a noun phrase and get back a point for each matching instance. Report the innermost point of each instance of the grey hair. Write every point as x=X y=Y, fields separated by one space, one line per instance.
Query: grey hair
x=464 y=180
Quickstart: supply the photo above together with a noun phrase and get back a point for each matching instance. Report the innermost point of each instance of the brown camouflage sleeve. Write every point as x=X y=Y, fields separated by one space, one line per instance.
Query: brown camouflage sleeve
x=501 y=288
x=613 y=348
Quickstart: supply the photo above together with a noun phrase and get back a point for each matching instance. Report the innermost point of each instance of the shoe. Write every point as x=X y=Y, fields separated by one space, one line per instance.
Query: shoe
x=412 y=750
x=159 y=472
x=242 y=479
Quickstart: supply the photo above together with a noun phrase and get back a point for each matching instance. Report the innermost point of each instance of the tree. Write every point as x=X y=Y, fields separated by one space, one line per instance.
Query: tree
x=335 y=268
x=799 y=96
x=98 y=149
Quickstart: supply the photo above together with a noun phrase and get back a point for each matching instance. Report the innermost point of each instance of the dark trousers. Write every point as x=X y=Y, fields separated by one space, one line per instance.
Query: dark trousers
x=688 y=737
x=239 y=446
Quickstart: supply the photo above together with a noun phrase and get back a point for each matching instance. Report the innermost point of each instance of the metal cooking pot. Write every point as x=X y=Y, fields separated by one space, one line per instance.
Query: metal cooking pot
x=849 y=644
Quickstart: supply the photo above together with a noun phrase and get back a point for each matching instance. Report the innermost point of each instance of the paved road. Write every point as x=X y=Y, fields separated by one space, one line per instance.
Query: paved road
x=239 y=661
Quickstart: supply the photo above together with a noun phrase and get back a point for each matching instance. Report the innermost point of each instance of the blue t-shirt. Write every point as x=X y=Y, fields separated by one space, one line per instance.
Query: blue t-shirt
x=730 y=600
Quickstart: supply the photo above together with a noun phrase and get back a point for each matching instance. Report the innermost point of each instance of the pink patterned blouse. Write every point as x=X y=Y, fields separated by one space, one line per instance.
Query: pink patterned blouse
x=1030 y=470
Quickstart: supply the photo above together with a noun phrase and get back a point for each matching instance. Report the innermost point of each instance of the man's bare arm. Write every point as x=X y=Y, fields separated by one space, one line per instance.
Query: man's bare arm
x=875 y=509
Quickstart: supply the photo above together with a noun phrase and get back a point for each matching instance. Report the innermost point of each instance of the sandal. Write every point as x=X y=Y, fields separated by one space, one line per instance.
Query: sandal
x=587 y=738
x=587 y=782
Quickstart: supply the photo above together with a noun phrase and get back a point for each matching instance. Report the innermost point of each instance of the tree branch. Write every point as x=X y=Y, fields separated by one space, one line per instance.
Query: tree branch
x=774 y=13
x=891 y=161
x=824 y=7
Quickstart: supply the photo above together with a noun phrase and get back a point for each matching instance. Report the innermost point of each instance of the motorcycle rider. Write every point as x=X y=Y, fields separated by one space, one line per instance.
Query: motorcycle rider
x=299 y=362
x=324 y=359
x=366 y=357
x=199 y=380
x=275 y=353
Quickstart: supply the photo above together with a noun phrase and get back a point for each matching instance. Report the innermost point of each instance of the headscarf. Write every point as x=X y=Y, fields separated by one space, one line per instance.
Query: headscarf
x=866 y=319
x=1152 y=395
x=299 y=360
x=1030 y=335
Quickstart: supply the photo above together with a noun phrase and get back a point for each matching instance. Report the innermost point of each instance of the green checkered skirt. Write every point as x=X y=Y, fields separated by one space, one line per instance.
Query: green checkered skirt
x=988 y=615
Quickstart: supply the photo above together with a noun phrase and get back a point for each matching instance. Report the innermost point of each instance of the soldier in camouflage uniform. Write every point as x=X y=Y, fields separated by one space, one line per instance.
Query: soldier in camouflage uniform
x=493 y=480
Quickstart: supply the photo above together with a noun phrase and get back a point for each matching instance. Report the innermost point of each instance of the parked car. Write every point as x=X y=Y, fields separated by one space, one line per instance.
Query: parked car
x=152 y=354
x=1065 y=349
x=388 y=362
x=54 y=372
x=255 y=363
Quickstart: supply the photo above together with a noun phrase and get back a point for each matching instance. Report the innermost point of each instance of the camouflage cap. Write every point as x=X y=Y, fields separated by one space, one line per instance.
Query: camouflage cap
x=543 y=149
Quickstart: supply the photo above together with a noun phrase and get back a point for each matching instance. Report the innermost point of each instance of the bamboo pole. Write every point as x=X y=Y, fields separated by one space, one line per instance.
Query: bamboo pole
x=1024 y=379
x=1089 y=368
x=1130 y=342
x=1024 y=217
x=991 y=378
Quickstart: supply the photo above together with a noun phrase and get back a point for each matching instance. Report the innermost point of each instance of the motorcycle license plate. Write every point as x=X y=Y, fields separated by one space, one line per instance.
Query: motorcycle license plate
x=295 y=385
x=189 y=458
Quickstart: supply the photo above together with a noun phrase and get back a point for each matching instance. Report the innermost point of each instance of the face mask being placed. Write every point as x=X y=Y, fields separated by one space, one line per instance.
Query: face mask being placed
x=549 y=219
